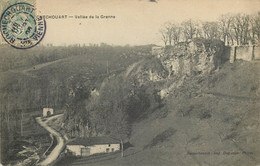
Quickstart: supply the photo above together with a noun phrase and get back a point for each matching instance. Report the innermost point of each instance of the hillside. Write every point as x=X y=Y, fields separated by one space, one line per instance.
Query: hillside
x=48 y=77
x=212 y=118
x=200 y=124
x=207 y=117
x=187 y=107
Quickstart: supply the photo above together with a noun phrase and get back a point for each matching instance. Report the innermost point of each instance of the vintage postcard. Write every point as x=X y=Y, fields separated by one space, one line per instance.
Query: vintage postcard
x=129 y=83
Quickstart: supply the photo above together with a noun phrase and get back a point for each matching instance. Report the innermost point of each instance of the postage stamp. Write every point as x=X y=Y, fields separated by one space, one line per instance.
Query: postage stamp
x=20 y=27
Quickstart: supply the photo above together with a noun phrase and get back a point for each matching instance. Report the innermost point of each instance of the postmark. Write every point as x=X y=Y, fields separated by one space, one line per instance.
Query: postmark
x=20 y=27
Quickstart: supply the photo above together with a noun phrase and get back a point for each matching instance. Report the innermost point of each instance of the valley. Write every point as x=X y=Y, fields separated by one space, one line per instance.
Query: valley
x=200 y=112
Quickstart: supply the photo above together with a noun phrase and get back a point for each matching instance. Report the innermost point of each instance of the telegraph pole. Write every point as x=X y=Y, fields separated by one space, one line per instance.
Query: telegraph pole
x=22 y=124
x=107 y=66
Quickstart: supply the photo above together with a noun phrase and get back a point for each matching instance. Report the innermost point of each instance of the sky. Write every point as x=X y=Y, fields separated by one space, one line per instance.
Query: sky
x=136 y=22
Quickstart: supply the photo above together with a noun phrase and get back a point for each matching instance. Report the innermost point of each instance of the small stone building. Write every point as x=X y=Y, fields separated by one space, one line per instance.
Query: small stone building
x=157 y=50
x=47 y=112
x=92 y=145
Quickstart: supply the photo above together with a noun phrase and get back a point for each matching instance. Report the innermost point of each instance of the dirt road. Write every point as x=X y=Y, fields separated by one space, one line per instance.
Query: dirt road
x=60 y=141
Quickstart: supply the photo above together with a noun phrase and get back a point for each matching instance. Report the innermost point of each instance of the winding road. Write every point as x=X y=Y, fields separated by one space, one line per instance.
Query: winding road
x=60 y=141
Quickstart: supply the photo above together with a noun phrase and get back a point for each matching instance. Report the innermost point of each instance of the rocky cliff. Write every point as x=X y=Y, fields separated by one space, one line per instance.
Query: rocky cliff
x=196 y=57
x=199 y=56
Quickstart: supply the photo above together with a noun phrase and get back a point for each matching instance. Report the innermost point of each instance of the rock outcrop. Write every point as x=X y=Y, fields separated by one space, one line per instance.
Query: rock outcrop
x=199 y=56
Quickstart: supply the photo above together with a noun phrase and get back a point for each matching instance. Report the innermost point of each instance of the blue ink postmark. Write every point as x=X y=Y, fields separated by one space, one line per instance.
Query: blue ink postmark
x=20 y=27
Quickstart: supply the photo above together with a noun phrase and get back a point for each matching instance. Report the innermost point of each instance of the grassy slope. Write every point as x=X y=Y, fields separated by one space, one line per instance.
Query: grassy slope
x=23 y=85
x=219 y=113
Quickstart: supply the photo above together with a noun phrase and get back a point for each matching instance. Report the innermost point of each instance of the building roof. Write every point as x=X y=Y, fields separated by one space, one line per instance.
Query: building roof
x=93 y=141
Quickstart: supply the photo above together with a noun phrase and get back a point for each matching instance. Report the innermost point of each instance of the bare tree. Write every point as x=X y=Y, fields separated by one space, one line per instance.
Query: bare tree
x=176 y=33
x=255 y=28
x=169 y=28
x=240 y=29
x=164 y=36
x=240 y=26
x=189 y=29
x=210 y=30
x=225 y=28
x=170 y=33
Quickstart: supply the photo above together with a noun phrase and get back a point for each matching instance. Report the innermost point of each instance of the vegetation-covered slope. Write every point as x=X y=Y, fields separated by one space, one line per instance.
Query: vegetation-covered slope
x=33 y=79
x=207 y=118
x=210 y=106
x=200 y=123
x=218 y=113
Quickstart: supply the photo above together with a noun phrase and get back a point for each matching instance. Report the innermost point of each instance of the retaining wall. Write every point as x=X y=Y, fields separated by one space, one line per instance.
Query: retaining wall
x=244 y=52
x=247 y=53
x=257 y=53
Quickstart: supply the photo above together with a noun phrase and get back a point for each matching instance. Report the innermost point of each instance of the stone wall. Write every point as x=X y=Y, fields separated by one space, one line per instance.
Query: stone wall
x=228 y=54
x=257 y=53
x=247 y=53
x=157 y=50
x=244 y=52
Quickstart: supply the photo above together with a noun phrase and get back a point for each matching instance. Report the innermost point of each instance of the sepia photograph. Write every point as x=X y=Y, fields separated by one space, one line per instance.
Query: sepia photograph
x=130 y=83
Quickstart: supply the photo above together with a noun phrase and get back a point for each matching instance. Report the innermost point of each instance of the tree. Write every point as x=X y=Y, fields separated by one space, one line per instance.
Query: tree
x=240 y=26
x=119 y=127
x=225 y=28
x=176 y=33
x=108 y=114
x=189 y=29
x=164 y=36
x=170 y=32
x=210 y=30
x=255 y=28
